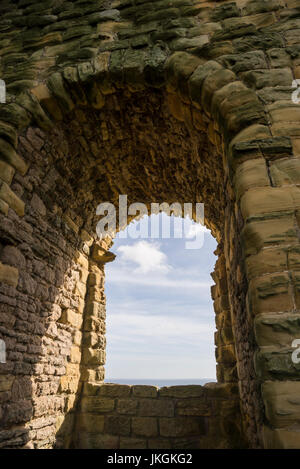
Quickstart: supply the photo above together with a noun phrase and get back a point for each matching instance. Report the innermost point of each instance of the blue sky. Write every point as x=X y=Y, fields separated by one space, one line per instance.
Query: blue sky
x=160 y=319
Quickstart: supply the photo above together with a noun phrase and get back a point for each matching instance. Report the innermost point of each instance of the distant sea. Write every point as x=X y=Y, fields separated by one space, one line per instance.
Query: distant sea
x=162 y=382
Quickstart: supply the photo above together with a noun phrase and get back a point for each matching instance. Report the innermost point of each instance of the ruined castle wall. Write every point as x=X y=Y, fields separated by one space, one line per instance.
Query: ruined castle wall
x=57 y=315
x=113 y=416
x=156 y=99
x=52 y=302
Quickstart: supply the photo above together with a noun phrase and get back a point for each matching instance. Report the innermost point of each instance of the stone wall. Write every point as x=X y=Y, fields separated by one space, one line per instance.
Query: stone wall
x=52 y=307
x=163 y=101
x=113 y=416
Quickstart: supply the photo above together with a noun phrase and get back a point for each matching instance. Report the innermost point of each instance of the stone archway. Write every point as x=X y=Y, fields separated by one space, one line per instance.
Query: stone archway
x=169 y=115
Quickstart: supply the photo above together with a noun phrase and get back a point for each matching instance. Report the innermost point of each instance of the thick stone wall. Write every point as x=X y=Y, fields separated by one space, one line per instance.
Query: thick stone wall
x=52 y=306
x=176 y=417
x=163 y=101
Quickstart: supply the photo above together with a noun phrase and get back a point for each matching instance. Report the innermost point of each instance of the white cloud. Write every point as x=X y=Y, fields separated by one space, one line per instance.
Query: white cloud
x=147 y=256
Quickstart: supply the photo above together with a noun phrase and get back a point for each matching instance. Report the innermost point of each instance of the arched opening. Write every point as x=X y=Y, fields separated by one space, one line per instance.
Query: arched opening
x=160 y=320
x=152 y=143
x=135 y=146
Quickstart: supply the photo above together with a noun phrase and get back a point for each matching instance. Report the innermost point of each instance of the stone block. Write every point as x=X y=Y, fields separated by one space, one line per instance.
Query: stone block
x=6 y=172
x=141 y=390
x=225 y=354
x=127 y=406
x=57 y=87
x=279 y=58
x=93 y=357
x=73 y=369
x=80 y=290
x=285 y=171
x=284 y=111
x=91 y=389
x=47 y=101
x=281 y=438
x=243 y=62
x=181 y=426
x=71 y=318
x=250 y=175
x=258 y=79
x=271 y=293
x=8 y=132
x=265 y=200
x=286 y=128
x=77 y=338
x=181 y=391
x=93 y=324
x=268 y=232
x=70 y=223
x=145 y=426
x=4 y=207
x=115 y=390
x=221 y=390
x=96 y=404
x=245 y=146
x=221 y=304
x=296 y=146
x=156 y=408
x=9 y=275
x=38 y=205
x=17 y=412
x=95 y=374
x=101 y=255
x=213 y=83
x=75 y=354
x=8 y=196
x=276 y=363
x=93 y=308
x=282 y=402
x=69 y=384
x=117 y=425
x=179 y=68
x=197 y=79
x=82 y=260
x=267 y=261
x=193 y=407
x=70 y=403
x=277 y=330
x=6 y=382
x=9 y=154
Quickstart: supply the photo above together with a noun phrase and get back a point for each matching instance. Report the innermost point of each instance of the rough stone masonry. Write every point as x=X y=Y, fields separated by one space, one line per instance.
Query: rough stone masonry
x=167 y=100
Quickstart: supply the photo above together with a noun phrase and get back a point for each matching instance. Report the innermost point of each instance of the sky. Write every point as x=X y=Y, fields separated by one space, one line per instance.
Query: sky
x=160 y=318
